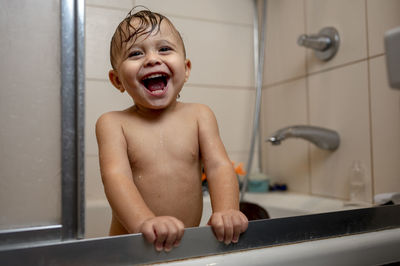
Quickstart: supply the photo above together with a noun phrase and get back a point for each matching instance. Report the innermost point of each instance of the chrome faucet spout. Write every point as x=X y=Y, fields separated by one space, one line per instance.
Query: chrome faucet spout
x=323 y=138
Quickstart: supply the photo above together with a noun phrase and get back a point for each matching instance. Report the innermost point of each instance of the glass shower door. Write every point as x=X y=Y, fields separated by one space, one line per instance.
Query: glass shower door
x=36 y=187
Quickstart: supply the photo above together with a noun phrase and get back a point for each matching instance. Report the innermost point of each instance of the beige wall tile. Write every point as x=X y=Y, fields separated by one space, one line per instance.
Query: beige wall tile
x=100 y=26
x=94 y=189
x=218 y=58
x=228 y=11
x=121 y=4
x=339 y=101
x=385 y=114
x=98 y=215
x=284 y=59
x=382 y=16
x=101 y=97
x=285 y=105
x=348 y=17
x=233 y=109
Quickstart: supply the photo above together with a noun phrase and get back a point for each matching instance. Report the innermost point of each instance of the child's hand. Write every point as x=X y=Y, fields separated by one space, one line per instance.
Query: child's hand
x=228 y=225
x=164 y=232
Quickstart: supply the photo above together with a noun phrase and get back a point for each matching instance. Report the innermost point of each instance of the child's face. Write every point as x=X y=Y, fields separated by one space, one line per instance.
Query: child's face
x=153 y=69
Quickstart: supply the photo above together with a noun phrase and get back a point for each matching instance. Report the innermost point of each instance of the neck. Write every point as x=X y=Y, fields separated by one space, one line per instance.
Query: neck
x=154 y=113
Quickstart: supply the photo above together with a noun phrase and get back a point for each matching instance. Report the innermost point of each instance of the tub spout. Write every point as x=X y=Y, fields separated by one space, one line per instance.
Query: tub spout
x=323 y=138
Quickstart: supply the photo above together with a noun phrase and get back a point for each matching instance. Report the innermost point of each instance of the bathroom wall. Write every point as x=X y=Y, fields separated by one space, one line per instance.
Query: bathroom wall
x=219 y=42
x=349 y=94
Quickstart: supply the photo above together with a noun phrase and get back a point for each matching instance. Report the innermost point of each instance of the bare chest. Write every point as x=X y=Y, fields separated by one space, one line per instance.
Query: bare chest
x=159 y=147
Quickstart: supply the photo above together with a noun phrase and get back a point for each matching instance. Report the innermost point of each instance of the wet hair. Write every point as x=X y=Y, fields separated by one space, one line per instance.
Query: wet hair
x=148 y=22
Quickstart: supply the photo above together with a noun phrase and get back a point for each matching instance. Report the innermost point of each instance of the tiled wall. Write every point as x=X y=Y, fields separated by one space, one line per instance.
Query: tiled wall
x=349 y=94
x=218 y=39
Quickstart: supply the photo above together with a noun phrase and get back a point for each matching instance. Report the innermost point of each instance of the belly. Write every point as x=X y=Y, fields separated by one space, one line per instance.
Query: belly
x=173 y=193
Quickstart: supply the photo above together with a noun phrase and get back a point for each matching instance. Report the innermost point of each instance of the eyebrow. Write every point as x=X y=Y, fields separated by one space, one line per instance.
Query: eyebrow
x=168 y=42
x=158 y=42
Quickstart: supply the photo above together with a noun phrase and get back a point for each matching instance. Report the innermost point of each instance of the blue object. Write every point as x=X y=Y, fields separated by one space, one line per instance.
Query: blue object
x=278 y=187
x=258 y=185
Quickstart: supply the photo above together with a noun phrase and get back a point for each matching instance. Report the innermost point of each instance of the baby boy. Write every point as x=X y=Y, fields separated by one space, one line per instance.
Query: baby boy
x=152 y=153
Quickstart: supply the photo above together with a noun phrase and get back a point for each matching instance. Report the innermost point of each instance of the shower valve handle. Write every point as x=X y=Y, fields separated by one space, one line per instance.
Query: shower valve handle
x=325 y=44
x=316 y=42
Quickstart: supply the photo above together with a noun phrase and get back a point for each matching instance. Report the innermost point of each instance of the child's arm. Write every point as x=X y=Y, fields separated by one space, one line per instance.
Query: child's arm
x=122 y=194
x=227 y=221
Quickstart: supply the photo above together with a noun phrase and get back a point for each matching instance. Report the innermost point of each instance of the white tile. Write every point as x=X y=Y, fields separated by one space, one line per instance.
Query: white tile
x=121 y=4
x=100 y=26
x=94 y=189
x=385 y=115
x=286 y=105
x=339 y=101
x=228 y=11
x=382 y=16
x=98 y=215
x=284 y=59
x=348 y=17
x=221 y=54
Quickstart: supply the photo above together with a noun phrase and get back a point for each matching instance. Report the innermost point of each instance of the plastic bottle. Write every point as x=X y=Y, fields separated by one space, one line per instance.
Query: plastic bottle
x=357 y=186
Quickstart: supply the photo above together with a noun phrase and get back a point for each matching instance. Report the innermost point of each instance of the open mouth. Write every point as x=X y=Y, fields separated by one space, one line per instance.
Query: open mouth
x=156 y=83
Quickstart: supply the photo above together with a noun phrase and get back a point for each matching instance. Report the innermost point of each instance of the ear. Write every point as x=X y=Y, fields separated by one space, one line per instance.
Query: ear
x=113 y=76
x=188 y=67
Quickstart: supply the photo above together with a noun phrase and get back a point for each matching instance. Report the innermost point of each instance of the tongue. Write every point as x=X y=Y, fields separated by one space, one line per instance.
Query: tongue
x=155 y=84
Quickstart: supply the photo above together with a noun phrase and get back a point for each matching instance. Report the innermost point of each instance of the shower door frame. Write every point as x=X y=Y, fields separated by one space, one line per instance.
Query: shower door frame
x=72 y=222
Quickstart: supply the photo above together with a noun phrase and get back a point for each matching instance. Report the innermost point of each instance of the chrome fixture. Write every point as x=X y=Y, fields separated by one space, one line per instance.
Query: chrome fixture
x=324 y=138
x=392 y=44
x=325 y=44
x=259 y=34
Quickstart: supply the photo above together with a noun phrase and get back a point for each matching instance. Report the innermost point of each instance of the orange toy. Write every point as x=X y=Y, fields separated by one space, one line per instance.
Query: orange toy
x=238 y=170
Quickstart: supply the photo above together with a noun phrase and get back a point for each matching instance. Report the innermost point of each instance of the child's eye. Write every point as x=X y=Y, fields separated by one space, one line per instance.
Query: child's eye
x=165 y=49
x=134 y=53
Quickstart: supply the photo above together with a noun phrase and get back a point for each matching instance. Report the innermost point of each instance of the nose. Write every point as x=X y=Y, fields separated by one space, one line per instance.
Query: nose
x=152 y=59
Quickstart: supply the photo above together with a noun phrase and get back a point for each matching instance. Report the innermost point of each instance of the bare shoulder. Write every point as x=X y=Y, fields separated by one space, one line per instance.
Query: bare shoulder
x=109 y=119
x=111 y=123
x=206 y=120
x=199 y=110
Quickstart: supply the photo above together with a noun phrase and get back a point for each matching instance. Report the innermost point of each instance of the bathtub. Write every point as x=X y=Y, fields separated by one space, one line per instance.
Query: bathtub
x=368 y=236
x=287 y=204
x=278 y=205
x=373 y=248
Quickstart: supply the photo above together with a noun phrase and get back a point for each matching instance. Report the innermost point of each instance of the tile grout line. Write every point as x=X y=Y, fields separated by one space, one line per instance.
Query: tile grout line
x=370 y=106
x=307 y=104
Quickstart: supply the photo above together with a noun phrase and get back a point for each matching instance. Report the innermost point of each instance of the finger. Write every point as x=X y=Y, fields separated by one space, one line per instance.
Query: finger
x=218 y=227
x=161 y=234
x=171 y=236
x=245 y=222
x=148 y=232
x=237 y=228
x=181 y=231
x=228 y=229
